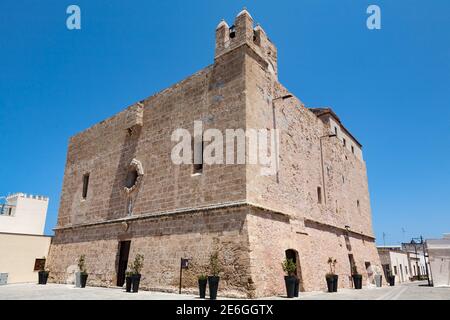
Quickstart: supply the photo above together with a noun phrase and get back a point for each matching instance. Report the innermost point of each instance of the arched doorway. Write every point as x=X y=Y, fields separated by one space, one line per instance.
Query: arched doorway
x=293 y=254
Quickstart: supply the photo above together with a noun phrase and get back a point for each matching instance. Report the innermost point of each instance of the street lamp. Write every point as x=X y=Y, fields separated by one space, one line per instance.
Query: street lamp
x=415 y=242
x=321 y=161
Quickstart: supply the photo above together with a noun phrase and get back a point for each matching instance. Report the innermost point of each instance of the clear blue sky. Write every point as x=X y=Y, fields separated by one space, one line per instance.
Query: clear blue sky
x=390 y=86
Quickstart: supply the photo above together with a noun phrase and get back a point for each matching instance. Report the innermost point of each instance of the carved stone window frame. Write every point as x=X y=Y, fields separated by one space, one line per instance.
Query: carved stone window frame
x=136 y=165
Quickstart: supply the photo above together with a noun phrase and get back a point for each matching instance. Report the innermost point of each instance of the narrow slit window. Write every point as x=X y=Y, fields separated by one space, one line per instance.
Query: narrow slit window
x=345 y=142
x=197 y=155
x=335 y=131
x=353 y=149
x=319 y=195
x=85 y=185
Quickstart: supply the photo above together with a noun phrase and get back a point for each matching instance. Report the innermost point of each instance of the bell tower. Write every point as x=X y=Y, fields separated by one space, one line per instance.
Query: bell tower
x=244 y=33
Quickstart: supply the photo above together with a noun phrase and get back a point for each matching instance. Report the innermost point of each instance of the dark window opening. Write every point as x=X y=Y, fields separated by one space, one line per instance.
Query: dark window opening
x=319 y=195
x=197 y=155
x=256 y=38
x=131 y=178
x=335 y=130
x=85 y=185
x=353 y=149
x=232 y=31
x=345 y=142
x=352 y=262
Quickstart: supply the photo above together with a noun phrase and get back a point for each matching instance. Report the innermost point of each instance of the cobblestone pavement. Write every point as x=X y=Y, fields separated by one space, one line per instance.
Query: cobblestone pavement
x=409 y=291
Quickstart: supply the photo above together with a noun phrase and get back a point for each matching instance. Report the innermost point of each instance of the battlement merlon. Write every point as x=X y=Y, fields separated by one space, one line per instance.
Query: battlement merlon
x=243 y=32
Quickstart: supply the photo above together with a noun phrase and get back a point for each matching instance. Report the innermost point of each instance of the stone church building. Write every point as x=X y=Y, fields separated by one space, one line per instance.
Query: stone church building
x=123 y=195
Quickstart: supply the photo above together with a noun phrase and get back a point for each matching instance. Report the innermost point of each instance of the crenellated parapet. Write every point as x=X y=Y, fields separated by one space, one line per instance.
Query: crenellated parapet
x=244 y=32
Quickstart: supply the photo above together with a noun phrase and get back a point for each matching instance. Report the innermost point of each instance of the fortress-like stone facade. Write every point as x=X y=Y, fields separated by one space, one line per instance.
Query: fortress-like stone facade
x=318 y=204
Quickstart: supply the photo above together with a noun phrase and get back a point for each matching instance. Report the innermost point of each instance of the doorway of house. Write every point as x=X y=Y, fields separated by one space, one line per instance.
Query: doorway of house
x=369 y=272
x=401 y=273
x=124 y=251
x=293 y=254
x=351 y=260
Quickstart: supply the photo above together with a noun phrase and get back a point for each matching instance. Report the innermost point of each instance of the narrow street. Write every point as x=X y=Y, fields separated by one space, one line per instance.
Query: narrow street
x=417 y=290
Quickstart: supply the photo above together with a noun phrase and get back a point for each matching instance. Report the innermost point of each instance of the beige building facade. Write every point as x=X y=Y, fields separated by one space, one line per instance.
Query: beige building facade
x=439 y=257
x=23 y=244
x=19 y=253
x=122 y=193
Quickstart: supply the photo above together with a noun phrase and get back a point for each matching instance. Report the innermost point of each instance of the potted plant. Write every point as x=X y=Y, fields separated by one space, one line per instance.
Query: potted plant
x=213 y=279
x=43 y=273
x=290 y=280
x=357 y=278
x=391 y=279
x=202 y=281
x=136 y=268
x=82 y=274
x=128 y=281
x=331 y=277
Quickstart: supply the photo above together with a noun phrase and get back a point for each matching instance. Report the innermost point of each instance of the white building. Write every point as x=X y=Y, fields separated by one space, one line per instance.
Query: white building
x=23 y=244
x=24 y=214
x=395 y=262
x=439 y=257
x=417 y=260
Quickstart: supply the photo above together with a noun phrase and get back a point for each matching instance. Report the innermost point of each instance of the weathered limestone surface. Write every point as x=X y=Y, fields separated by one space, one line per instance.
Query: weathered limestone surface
x=251 y=219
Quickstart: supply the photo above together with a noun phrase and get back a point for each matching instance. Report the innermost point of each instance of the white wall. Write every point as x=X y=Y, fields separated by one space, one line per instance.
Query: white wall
x=28 y=215
x=399 y=260
x=439 y=256
x=18 y=253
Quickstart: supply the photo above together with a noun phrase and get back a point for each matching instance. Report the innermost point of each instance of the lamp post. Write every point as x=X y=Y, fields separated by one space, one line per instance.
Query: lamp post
x=321 y=161
x=287 y=96
x=425 y=260
x=415 y=242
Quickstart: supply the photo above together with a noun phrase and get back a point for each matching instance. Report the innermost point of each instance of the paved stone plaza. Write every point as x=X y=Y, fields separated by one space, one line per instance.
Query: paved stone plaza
x=410 y=291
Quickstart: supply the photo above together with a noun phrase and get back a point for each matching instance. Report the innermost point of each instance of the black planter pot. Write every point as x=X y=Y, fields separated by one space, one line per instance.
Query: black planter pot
x=83 y=279
x=391 y=281
x=290 y=285
x=213 y=286
x=335 y=283
x=297 y=283
x=43 y=277
x=202 y=288
x=357 y=281
x=330 y=283
x=135 y=279
x=128 y=281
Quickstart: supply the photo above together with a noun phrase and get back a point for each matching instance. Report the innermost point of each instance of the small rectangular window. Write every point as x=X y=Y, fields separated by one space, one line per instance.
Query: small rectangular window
x=319 y=195
x=39 y=264
x=345 y=142
x=335 y=131
x=85 y=185
x=353 y=149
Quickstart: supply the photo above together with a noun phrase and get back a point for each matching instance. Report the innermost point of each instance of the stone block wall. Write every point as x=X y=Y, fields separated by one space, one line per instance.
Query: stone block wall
x=163 y=241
